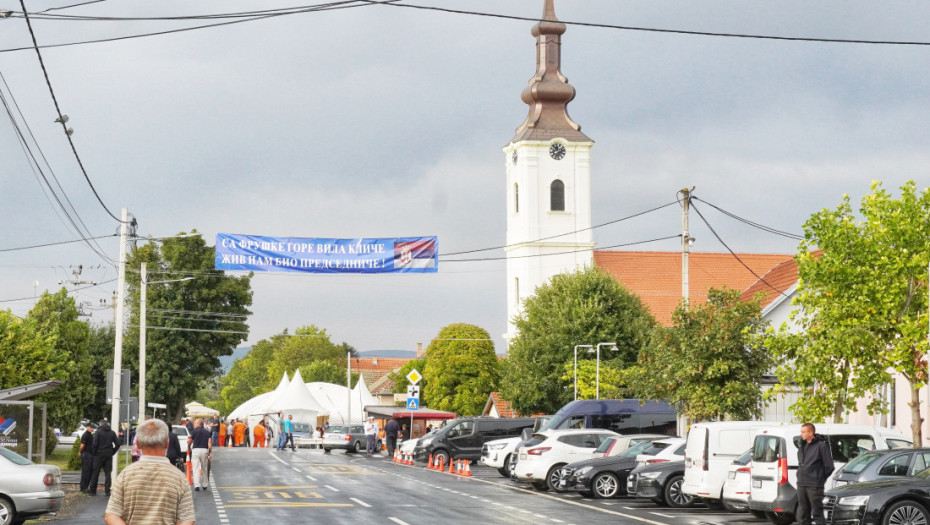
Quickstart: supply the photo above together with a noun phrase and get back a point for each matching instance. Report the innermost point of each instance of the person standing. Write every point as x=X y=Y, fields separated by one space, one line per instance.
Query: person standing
x=174 y=452
x=289 y=433
x=240 y=433
x=189 y=424
x=106 y=443
x=259 y=434
x=815 y=464
x=281 y=435
x=151 y=490
x=405 y=432
x=215 y=430
x=222 y=437
x=87 y=456
x=391 y=429
x=371 y=435
x=201 y=448
x=246 y=442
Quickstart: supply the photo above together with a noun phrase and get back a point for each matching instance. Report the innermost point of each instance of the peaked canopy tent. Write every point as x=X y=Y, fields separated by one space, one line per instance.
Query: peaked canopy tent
x=259 y=404
x=195 y=409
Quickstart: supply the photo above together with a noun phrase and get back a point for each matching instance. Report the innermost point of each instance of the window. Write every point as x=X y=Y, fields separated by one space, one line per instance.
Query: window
x=655 y=448
x=516 y=198
x=845 y=448
x=896 y=466
x=557 y=196
x=616 y=422
x=462 y=429
x=860 y=463
x=765 y=449
x=572 y=422
x=921 y=462
x=516 y=289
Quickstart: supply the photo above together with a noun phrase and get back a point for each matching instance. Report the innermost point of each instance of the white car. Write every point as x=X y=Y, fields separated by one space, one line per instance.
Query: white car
x=496 y=454
x=671 y=449
x=738 y=484
x=543 y=456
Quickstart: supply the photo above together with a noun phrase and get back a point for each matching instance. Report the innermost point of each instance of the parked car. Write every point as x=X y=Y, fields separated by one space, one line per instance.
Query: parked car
x=735 y=496
x=603 y=476
x=350 y=438
x=883 y=464
x=303 y=433
x=27 y=490
x=497 y=453
x=543 y=456
x=623 y=416
x=662 y=450
x=660 y=482
x=72 y=437
x=775 y=461
x=904 y=500
x=464 y=437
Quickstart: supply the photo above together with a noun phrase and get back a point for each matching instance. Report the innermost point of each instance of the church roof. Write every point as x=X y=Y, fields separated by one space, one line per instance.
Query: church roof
x=548 y=92
x=656 y=276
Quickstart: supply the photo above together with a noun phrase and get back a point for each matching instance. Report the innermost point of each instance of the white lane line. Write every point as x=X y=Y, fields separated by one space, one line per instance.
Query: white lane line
x=332 y=488
x=631 y=508
x=296 y=469
x=398 y=521
x=277 y=458
x=360 y=502
x=311 y=478
x=556 y=520
x=663 y=515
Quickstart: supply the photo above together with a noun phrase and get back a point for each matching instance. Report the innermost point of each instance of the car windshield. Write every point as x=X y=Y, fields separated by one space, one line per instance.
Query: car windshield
x=605 y=445
x=657 y=446
x=14 y=457
x=636 y=450
x=859 y=464
x=301 y=427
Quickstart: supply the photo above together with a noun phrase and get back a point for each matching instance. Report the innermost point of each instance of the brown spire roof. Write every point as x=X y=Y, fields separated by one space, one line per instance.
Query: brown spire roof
x=549 y=92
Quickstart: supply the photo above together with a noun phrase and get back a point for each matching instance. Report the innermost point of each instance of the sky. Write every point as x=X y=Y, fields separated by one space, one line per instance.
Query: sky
x=389 y=121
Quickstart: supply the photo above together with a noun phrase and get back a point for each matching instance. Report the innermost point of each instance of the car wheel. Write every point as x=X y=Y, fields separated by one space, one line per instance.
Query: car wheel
x=713 y=504
x=780 y=518
x=657 y=500
x=674 y=497
x=732 y=507
x=757 y=514
x=7 y=512
x=505 y=470
x=605 y=485
x=553 y=477
x=353 y=448
x=906 y=513
x=442 y=457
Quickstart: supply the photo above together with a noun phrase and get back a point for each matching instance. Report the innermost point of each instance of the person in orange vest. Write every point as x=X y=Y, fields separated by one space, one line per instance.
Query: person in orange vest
x=222 y=440
x=240 y=433
x=259 y=434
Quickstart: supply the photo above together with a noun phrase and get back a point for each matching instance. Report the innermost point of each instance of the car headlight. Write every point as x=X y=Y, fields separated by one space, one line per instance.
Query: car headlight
x=649 y=475
x=497 y=446
x=853 y=501
x=582 y=471
x=425 y=442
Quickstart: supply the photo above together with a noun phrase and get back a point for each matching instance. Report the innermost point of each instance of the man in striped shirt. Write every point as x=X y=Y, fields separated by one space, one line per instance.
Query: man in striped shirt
x=151 y=490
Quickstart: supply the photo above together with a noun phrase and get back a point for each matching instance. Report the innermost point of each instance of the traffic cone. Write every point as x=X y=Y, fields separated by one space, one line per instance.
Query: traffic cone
x=410 y=459
x=451 y=466
x=458 y=467
x=396 y=455
x=442 y=463
x=429 y=464
x=190 y=469
x=467 y=471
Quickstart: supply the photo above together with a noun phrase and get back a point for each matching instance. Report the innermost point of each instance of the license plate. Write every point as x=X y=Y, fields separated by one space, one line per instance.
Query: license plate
x=757 y=483
x=840 y=483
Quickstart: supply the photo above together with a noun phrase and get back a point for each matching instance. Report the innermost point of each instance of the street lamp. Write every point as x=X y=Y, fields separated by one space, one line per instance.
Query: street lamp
x=597 y=381
x=142 y=299
x=589 y=347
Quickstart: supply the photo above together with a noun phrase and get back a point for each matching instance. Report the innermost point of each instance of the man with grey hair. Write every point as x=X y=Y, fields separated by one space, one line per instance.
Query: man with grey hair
x=201 y=448
x=151 y=490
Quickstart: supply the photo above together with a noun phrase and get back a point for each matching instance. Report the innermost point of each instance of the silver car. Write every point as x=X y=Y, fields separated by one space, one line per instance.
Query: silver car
x=350 y=438
x=27 y=490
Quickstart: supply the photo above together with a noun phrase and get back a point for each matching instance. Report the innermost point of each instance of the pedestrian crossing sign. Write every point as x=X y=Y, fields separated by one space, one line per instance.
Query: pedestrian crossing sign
x=413 y=403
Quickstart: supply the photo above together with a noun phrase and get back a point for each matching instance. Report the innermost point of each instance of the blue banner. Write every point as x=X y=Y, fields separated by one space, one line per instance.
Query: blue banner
x=295 y=254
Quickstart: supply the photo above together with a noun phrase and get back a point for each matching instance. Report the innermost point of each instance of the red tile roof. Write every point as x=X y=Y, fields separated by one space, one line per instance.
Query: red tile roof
x=656 y=276
x=774 y=283
x=503 y=407
x=375 y=368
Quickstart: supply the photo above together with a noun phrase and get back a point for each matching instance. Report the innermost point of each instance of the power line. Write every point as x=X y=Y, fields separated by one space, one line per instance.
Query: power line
x=69 y=292
x=211 y=314
x=61 y=118
x=59 y=243
x=751 y=223
x=567 y=252
x=174 y=329
x=72 y=5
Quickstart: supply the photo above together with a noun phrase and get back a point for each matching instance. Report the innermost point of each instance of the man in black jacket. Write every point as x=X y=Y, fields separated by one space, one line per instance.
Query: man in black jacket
x=106 y=443
x=815 y=464
x=391 y=429
x=87 y=456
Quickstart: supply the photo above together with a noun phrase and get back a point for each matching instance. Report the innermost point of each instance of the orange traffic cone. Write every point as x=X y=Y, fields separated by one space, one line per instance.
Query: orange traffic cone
x=410 y=460
x=190 y=469
x=396 y=455
x=451 y=466
x=467 y=471
x=458 y=467
x=429 y=463
x=442 y=463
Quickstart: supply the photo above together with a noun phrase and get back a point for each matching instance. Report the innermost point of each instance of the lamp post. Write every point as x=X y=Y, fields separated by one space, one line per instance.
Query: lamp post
x=597 y=381
x=589 y=347
x=143 y=297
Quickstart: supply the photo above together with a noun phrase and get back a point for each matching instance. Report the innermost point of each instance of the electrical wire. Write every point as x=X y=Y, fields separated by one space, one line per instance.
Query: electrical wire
x=69 y=293
x=209 y=314
x=72 y=5
x=59 y=243
x=713 y=231
x=567 y=252
x=174 y=329
x=61 y=117
x=751 y=223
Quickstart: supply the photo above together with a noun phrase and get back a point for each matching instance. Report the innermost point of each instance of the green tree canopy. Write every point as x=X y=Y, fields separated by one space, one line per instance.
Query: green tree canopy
x=861 y=306
x=704 y=363
x=191 y=323
x=100 y=352
x=27 y=353
x=584 y=307
x=462 y=369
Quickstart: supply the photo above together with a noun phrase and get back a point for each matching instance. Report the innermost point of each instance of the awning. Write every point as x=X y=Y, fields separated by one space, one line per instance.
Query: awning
x=26 y=391
x=391 y=412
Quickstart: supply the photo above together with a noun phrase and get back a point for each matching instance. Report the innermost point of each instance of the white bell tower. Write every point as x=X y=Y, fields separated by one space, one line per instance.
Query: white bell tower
x=548 y=179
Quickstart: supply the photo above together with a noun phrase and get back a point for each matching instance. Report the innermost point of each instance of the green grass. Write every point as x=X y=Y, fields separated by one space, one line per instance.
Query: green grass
x=59 y=457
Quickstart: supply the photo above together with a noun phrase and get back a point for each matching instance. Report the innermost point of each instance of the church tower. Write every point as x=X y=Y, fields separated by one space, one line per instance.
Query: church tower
x=548 y=178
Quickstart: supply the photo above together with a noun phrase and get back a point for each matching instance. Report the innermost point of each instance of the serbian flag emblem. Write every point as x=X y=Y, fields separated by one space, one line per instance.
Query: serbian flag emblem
x=419 y=254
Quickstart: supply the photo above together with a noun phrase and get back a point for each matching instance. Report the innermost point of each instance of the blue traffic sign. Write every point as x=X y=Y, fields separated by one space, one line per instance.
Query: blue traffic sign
x=413 y=403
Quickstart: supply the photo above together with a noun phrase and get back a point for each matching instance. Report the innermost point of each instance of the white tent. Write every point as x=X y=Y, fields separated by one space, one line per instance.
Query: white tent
x=195 y=409
x=336 y=399
x=260 y=404
x=296 y=400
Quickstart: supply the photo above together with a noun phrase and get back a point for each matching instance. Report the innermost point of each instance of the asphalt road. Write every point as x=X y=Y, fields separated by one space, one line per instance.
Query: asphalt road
x=260 y=485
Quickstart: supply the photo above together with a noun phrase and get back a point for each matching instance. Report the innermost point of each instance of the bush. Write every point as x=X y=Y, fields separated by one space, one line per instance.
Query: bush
x=74 y=460
x=50 y=441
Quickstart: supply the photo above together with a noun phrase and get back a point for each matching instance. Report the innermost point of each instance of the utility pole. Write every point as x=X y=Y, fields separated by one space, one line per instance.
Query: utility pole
x=349 y=385
x=120 y=302
x=143 y=285
x=686 y=242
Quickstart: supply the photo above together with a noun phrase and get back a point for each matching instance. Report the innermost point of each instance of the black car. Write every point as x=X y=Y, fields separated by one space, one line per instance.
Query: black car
x=660 y=482
x=464 y=437
x=883 y=464
x=602 y=477
x=886 y=502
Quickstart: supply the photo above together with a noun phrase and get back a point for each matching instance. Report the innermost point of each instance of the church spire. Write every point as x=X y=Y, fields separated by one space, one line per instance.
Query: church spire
x=548 y=92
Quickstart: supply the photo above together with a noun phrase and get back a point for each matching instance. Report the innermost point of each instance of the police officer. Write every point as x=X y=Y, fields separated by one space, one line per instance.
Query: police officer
x=87 y=456
x=106 y=443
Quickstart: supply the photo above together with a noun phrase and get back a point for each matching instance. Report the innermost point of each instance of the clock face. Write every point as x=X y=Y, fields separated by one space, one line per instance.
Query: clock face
x=557 y=150
x=513 y=157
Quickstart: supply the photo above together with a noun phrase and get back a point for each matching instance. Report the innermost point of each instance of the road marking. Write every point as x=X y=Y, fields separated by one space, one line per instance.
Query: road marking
x=332 y=488
x=277 y=458
x=296 y=469
x=272 y=504
x=311 y=478
x=397 y=521
x=663 y=515
x=360 y=502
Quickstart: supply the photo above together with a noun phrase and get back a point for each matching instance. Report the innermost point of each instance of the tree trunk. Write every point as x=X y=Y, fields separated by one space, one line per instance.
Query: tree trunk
x=916 y=420
x=838 y=411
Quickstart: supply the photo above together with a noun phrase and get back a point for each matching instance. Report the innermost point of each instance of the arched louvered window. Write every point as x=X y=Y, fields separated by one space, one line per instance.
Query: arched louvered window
x=557 y=196
x=516 y=198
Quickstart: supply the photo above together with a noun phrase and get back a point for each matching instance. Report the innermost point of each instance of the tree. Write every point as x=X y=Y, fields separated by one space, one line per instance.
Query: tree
x=57 y=316
x=192 y=323
x=704 y=363
x=611 y=379
x=587 y=306
x=462 y=368
x=27 y=354
x=308 y=345
x=100 y=352
x=399 y=378
x=248 y=376
x=861 y=305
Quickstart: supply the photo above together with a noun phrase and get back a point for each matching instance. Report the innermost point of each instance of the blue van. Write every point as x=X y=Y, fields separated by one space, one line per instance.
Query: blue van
x=623 y=416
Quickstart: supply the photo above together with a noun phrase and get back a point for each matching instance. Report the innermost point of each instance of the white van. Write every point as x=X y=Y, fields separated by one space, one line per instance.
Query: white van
x=774 y=467
x=710 y=451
